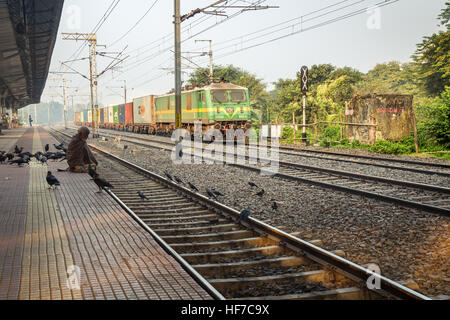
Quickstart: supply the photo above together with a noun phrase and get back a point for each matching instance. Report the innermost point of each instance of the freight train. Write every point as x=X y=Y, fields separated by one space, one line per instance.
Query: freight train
x=219 y=105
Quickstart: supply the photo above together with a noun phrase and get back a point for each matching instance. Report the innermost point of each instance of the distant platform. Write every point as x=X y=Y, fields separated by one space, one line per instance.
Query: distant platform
x=74 y=243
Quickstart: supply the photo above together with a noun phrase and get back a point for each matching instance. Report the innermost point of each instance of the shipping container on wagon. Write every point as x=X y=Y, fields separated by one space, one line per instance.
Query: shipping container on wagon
x=129 y=113
x=121 y=113
x=102 y=115
x=81 y=116
x=77 y=117
x=116 y=114
x=105 y=115
x=89 y=116
x=110 y=114
x=143 y=110
x=85 y=116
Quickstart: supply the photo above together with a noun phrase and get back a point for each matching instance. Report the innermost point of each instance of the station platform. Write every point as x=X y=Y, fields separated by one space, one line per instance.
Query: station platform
x=73 y=243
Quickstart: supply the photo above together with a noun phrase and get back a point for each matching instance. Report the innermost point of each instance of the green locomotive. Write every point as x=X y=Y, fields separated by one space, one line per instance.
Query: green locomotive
x=221 y=106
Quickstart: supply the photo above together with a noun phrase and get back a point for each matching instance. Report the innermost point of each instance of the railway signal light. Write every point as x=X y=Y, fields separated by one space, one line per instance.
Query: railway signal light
x=304 y=79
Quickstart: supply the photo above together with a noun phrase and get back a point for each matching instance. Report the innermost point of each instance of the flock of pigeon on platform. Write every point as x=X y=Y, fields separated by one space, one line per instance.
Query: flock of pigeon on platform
x=21 y=158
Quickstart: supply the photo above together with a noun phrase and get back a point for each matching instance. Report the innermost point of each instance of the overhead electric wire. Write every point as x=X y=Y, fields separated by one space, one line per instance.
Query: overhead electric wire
x=318 y=25
x=135 y=25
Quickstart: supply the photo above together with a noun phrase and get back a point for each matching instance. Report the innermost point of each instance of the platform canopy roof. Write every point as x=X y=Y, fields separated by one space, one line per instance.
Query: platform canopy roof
x=28 y=30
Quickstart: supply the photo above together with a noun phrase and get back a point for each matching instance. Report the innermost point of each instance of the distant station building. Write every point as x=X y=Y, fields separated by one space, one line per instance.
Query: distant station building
x=28 y=31
x=379 y=117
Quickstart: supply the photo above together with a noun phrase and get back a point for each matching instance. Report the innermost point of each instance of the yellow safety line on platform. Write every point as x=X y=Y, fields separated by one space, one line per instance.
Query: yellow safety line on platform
x=46 y=255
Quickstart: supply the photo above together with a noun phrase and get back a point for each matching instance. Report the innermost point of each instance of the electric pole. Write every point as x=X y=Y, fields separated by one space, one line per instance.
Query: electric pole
x=177 y=64
x=92 y=40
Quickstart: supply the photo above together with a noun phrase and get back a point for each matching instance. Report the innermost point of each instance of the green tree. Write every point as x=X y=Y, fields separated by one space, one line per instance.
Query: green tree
x=433 y=57
x=444 y=17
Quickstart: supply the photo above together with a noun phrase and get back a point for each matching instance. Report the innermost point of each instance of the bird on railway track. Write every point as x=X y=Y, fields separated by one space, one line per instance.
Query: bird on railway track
x=243 y=215
x=192 y=187
x=261 y=193
x=213 y=221
x=102 y=184
x=51 y=180
x=178 y=180
x=211 y=194
x=168 y=175
x=217 y=193
x=143 y=196
x=274 y=205
x=252 y=184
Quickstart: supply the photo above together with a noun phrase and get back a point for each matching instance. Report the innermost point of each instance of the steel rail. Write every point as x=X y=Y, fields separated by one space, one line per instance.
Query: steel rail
x=373 y=195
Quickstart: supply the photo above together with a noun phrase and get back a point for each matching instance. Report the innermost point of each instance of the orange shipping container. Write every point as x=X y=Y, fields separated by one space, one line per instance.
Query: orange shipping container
x=129 y=113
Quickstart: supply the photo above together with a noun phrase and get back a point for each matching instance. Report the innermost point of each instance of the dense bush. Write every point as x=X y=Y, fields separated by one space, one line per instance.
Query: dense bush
x=331 y=133
x=434 y=120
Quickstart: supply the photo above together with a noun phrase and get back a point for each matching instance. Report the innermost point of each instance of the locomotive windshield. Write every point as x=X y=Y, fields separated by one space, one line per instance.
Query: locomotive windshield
x=237 y=96
x=219 y=96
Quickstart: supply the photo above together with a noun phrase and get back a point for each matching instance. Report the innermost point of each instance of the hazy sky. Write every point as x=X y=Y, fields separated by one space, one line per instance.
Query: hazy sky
x=360 y=41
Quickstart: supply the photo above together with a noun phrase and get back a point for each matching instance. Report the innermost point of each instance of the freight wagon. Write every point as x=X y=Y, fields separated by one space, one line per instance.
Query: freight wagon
x=218 y=105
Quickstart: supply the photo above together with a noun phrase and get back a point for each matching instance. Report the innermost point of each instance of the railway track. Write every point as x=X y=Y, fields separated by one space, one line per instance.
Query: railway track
x=430 y=198
x=234 y=259
x=395 y=164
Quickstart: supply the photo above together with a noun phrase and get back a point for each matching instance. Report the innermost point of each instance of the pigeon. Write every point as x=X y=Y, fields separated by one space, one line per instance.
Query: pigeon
x=20 y=161
x=243 y=215
x=92 y=172
x=178 y=180
x=102 y=184
x=274 y=205
x=192 y=186
x=211 y=194
x=25 y=154
x=58 y=147
x=168 y=175
x=2 y=158
x=261 y=193
x=52 y=181
x=217 y=193
x=10 y=156
x=213 y=221
x=252 y=184
x=38 y=155
x=17 y=150
x=143 y=196
x=47 y=147
x=44 y=160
